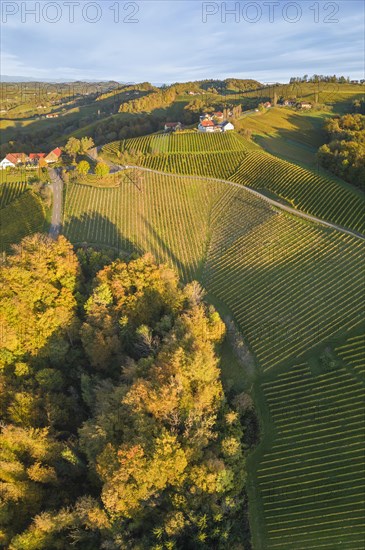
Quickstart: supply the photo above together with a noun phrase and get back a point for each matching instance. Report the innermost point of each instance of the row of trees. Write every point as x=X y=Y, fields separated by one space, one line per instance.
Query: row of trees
x=320 y=78
x=344 y=155
x=115 y=430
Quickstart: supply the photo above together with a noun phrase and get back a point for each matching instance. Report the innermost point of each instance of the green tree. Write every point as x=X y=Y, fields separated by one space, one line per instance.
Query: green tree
x=83 y=167
x=86 y=143
x=102 y=169
x=72 y=147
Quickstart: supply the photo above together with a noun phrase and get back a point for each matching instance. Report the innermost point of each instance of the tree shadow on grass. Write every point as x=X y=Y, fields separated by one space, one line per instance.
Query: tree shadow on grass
x=97 y=231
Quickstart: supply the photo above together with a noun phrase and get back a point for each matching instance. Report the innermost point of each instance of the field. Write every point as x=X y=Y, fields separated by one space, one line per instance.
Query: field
x=231 y=157
x=293 y=289
x=309 y=470
x=20 y=217
x=168 y=217
x=322 y=197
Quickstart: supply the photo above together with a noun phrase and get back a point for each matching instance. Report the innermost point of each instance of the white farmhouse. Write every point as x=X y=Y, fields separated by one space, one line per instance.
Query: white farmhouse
x=6 y=163
x=227 y=126
x=206 y=126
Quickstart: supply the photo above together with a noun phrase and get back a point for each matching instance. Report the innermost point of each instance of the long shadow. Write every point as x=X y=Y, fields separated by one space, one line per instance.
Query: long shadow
x=179 y=265
x=93 y=229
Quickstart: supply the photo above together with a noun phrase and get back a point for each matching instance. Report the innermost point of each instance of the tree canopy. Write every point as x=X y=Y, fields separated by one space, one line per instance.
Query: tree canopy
x=115 y=432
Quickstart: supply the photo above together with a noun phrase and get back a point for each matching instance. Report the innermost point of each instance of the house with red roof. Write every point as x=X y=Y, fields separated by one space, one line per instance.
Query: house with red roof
x=12 y=160
x=53 y=156
x=206 y=126
x=172 y=126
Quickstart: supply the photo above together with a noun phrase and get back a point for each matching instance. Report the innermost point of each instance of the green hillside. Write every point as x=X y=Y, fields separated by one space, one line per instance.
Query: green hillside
x=229 y=156
x=23 y=216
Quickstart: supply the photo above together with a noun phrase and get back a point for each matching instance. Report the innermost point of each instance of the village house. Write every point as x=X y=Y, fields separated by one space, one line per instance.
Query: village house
x=226 y=126
x=12 y=160
x=209 y=125
x=206 y=125
x=267 y=105
x=53 y=156
x=172 y=126
x=35 y=158
x=304 y=105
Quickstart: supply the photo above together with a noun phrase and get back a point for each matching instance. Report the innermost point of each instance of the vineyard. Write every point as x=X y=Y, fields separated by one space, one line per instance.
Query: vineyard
x=10 y=192
x=310 y=477
x=215 y=165
x=176 y=143
x=313 y=194
x=228 y=156
x=23 y=216
x=291 y=286
x=164 y=215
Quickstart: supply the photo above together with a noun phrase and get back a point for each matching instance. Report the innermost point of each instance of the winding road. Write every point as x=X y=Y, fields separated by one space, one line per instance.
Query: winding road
x=272 y=202
x=57 y=183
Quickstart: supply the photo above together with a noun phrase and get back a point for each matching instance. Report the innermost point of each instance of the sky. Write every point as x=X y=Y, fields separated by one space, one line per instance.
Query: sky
x=164 y=41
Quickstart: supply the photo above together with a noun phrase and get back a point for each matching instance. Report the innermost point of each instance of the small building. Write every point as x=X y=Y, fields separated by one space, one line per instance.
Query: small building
x=226 y=126
x=34 y=158
x=205 y=116
x=206 y=126
x=304 y=105
x=53 y=156
x=267 y=105
x=218 y=115
x=172 y=126
x=6 y=163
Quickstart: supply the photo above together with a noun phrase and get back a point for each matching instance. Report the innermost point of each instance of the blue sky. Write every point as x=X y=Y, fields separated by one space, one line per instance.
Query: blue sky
x=181 y=40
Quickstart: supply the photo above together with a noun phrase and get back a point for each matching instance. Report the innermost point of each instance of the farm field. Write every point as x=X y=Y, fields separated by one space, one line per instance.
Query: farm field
x=322 y=197
x=291 y=286
x=239 y=160
x=168 y=217
x=308 y=471
x=22 y=216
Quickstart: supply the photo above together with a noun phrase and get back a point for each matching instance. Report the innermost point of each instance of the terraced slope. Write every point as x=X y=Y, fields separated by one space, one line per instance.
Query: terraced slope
x=310 y=477
x=353 y=353
x=220 y=165
x=10 y=191
x=229 y=156
x=322 y=197
x=23 y=216
x=176 y=143
x=169 y=217
x=289 y=284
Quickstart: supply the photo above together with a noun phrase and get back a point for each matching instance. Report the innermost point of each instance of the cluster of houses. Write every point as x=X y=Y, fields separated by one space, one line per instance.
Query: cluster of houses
x=33 y=160
x=214 y=122
x=209 y=122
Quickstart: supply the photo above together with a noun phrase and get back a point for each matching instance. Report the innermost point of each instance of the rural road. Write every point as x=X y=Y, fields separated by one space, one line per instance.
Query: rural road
x=58 y=194
x=273 y=202
x=57 y=186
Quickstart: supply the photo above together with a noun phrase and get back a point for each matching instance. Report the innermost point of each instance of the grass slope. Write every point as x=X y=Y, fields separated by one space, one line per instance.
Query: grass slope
x=306 y=477
x=292 y=286
x=21 y=217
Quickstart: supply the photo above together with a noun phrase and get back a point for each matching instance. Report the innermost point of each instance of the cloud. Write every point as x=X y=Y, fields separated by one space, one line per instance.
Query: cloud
x=171 y=42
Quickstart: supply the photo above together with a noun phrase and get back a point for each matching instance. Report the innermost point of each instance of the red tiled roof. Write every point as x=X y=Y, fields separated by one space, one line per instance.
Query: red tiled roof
x=14 y=157
x=171 y=124
x=218 y=113
x=207 y=123
x=57 y=152
x=33 y=156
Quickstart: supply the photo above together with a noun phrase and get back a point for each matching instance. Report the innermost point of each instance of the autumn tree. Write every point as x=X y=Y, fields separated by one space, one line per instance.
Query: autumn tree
x=102 y=169
x=83 y=167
